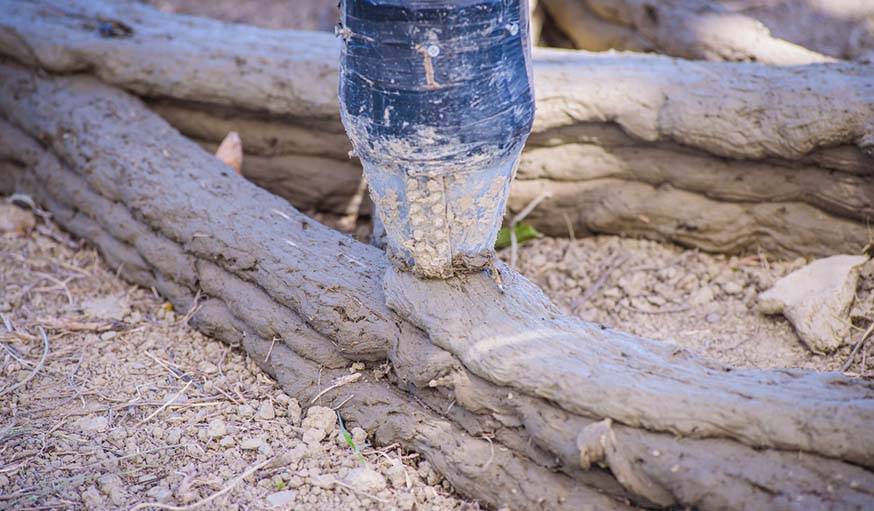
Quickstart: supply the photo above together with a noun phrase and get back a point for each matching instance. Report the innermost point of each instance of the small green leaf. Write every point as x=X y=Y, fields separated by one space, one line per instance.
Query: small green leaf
x=348 y=438
x=524 y=232
x=349 y=441
x=279 y=485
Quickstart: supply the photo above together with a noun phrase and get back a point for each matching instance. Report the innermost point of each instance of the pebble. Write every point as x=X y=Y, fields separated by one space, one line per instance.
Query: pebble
x=293 y=455
x=702 y=297
x=313 y=435
x=251 y=444
x=112 y=487
x=427 y=473
x=323 y=481
x=93 y=424
x=294 y=411
x=266 y=411
x=118 y=434
x=396 y=475
x=92 y=499
x=245 y=411
x=731 y=287
x=174 y=435
x=321 y=419
x=713 y=317
x=217 y=428
x=365 y=479
x=406 y=501
x=281 y=498
x=359 y=436
x=160 y=493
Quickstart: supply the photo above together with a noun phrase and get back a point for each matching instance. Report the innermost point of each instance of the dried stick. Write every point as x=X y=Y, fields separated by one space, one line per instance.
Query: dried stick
x=251 y=470
x=42 y=360
x=339 y=382
x=514 y=243
x=857 y=347
x=165 y=405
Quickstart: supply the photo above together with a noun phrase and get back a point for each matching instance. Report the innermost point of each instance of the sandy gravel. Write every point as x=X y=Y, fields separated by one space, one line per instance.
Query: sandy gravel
x=700 y=301
x=132 y=406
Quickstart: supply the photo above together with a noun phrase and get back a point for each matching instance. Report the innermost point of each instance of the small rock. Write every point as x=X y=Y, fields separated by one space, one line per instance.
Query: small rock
x=656 y=300
x=290 y=456
x=157 y=432
x=250 y=444
x=160 y=493
x=538 y=261
x=216 y=428
x=92 y=499
x=266 y=411
x=245 y=411
x=430 y=493
x=16 y=220
x=713 y=317
x=816 y=299
x=733 y=288
x=112 y=486
x=427 y=473
x=359 y=436
x=207 y=367
x=112 y=307
x=108 y=336
x=93 y=424
x=396 y=475
x=323 y=481
x=365 y=479
x=119 y=434
x=281 y=498
x=313 y=435
x=406 y=501
x=555 y=281
x=321 y=419
x=227 y=441
x=633 y=284
x=174 y=435
x=294 y=411
x=702 y=297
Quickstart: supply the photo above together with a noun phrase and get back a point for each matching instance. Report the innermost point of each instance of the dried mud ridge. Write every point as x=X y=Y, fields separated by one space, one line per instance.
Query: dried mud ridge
x=722 y=156
x=510 y=408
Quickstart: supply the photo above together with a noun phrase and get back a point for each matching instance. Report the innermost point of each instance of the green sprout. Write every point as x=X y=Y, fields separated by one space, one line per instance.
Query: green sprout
x=524 y=232
x=349 y=441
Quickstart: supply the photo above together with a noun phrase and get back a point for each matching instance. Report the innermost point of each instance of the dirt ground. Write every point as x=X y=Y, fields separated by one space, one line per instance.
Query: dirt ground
x=131 y=406
x=700 y=301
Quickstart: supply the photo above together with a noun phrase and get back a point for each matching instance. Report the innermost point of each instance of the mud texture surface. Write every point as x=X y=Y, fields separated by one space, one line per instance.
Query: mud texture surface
x=296 y=14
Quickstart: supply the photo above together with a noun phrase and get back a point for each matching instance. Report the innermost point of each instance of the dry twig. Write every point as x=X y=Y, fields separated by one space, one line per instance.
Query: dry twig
x=857 y=347
x=514 y=243
x=39 y=365
x=165 y=405
x=251 y=470
x=339 y=382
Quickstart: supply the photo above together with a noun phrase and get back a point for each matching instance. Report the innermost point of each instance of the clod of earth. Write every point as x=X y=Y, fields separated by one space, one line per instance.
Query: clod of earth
x=816 y=299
